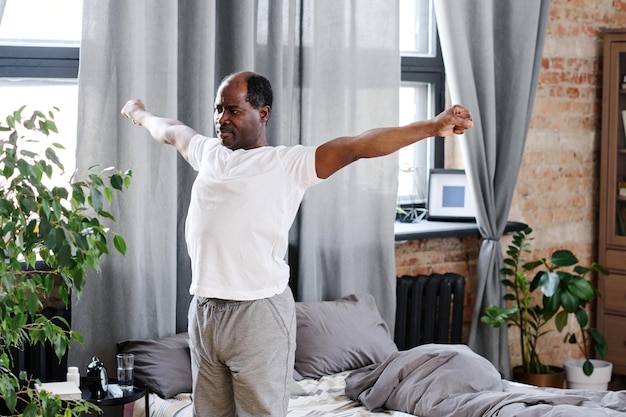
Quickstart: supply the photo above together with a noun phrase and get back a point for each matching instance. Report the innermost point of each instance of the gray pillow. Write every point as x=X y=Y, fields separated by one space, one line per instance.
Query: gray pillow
x=163 y=364
x=336 y=336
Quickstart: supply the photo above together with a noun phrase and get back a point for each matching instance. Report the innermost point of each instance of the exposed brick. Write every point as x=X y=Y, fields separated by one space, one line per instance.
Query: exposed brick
x=557 y=188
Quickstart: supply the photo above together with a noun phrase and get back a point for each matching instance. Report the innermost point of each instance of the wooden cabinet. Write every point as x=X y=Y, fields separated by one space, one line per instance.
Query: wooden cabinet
x=611 y=306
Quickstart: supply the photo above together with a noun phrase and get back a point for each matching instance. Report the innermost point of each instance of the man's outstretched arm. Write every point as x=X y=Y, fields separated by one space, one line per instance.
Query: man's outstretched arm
x=163 y=130
x=340 y=152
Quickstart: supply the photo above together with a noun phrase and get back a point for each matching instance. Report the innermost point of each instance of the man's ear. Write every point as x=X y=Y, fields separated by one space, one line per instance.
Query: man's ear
x=265 y=113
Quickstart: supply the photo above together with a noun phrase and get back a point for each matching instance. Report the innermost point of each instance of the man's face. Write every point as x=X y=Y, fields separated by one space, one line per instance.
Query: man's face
x=237 y=123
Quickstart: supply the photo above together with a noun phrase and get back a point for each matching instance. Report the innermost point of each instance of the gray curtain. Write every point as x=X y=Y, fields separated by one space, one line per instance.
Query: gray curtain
x=345 y=237
x=492 y=53
x=334 y=73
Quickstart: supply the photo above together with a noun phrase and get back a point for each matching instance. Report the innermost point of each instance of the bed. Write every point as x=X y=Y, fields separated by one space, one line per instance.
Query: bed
x=347 y=365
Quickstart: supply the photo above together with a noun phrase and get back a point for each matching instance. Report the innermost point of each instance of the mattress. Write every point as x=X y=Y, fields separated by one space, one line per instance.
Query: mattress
x=310 y=398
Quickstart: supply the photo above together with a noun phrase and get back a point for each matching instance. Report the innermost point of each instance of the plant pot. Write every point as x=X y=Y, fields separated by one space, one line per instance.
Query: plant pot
x=554 y=379
x=597 y=381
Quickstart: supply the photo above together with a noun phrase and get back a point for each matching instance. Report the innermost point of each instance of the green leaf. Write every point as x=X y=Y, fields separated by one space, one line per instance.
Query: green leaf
x=6 y=208
x=561 y=258
x=51 y=126
x=60 y=344
x=582 y=289
x=32 y=303
x=127 y=178
x=587 y=367
x=529 y=266
x=31 y=410
x=508 y=283
x=510 y=262
x=601 y=269
x=549 y=282
x=108 y=194
x=119 y=244
x=77 y=336
x=106 y=214
x=560 y=320
x=568 y=301
x=599 y=342
x=582 y=318
x=96 y=199
x=117 y=181
x=65 y=254
x=10 y=398
x=52 y=156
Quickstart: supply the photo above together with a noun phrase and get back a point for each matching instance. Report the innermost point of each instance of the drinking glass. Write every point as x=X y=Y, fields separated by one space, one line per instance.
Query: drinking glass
x=125 y=368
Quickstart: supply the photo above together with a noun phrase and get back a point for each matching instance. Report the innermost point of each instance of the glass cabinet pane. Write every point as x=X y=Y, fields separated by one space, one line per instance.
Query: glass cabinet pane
x=619 y=190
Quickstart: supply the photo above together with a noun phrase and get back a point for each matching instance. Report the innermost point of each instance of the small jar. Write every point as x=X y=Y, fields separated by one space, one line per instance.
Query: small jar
x=73 y=375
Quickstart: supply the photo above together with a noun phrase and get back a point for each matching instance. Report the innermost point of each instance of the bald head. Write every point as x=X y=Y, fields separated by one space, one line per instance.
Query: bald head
x=259 y=88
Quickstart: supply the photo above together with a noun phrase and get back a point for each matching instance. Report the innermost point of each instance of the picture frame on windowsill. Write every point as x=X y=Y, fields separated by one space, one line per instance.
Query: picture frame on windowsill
x=450 y=197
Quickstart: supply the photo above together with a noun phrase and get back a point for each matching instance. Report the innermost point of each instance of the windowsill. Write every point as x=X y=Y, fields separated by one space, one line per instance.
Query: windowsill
x=425 y=229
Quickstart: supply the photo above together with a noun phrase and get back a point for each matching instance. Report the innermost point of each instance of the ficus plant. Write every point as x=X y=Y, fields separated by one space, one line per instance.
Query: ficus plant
x=59 y=225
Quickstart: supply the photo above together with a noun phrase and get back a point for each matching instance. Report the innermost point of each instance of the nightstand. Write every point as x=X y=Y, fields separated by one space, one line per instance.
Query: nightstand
x=115 y=395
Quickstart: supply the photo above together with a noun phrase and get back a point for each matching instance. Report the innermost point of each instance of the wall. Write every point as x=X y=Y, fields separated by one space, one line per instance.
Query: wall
x=558 y=185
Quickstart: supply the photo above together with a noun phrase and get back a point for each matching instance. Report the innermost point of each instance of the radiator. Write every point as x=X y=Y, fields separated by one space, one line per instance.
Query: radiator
x=429 y=309
x=39 y=360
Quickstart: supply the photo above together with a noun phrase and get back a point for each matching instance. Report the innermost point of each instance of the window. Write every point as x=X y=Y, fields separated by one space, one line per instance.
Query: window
x=39 y=52
x=421 y=96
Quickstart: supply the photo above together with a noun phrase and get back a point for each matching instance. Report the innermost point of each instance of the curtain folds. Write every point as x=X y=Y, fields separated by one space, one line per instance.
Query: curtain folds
x=349 y=83
x=333 y=72
x=492 y=53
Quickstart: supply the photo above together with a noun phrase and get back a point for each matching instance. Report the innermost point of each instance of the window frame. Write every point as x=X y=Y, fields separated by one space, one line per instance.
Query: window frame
x=425 y=69
x=429 y=70
x=39 y=61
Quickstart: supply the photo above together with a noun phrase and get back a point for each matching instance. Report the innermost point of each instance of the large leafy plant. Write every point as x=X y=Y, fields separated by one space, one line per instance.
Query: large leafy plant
x=567 y=291
x=523 y=310
x=59 y=225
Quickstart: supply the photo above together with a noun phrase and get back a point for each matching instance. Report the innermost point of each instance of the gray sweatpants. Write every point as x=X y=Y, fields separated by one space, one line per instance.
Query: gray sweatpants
x=242 y=355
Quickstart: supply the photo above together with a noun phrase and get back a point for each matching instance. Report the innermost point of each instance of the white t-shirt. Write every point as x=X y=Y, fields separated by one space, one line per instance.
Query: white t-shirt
x=242 y=205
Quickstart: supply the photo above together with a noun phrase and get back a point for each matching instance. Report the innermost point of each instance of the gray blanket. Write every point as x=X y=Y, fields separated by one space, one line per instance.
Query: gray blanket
x=450 y=380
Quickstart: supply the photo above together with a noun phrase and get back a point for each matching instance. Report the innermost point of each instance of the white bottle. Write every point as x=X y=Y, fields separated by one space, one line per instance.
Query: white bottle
x=73 y=375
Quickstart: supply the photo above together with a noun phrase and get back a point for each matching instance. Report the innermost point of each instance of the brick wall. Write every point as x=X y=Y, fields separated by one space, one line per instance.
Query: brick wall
x=558 y=185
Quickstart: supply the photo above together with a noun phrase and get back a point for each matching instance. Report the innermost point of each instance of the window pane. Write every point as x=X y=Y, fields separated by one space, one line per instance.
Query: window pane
x=417 y=28
x=41 y=22
x=43 y=95
x=416 y=103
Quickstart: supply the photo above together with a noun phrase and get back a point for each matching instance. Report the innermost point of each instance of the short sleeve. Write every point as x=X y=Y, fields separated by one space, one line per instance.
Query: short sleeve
x=300 y=162
x=198 y=145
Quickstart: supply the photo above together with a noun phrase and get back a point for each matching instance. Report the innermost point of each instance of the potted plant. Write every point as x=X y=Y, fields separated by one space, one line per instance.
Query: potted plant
x=524 y=312
x=59 y=226
x=567 y=293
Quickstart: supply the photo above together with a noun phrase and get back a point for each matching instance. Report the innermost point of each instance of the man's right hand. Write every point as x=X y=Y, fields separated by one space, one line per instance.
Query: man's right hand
x=133 y=109
x=163 y=130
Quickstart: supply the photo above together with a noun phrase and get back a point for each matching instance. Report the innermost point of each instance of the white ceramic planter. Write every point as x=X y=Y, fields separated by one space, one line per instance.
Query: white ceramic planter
x=598 y=380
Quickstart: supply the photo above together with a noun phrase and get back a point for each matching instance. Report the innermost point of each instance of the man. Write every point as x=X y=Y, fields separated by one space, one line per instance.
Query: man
x=243 y=201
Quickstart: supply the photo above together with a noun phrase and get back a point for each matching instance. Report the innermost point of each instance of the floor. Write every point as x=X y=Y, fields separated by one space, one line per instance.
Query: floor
x=618 y=383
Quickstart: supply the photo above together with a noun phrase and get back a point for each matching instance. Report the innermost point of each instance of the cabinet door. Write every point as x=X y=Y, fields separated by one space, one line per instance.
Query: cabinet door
x=616 y=338
x=614 y=298
x=614 y=155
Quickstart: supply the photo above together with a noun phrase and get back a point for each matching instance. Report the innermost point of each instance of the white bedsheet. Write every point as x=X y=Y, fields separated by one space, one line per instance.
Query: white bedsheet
x=323 y=397
x=326 y=397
